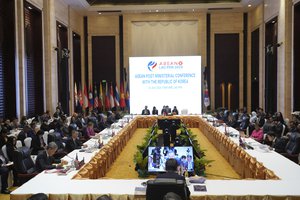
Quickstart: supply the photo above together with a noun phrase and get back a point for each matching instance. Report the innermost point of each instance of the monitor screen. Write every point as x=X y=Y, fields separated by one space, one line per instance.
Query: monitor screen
x=157 y=157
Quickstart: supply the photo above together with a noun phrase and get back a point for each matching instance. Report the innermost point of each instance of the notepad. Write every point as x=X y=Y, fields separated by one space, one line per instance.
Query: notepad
x=200 y=188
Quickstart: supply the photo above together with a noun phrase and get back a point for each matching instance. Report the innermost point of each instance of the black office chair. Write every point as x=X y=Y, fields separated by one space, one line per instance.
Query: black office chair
x=25 y=168
x=158 y=188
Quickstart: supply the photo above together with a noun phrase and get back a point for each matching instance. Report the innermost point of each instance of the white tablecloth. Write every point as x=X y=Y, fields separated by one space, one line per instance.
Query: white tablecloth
x=287 y=171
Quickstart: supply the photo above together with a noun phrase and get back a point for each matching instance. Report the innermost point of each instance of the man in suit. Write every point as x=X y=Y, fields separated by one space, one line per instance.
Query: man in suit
x=171 y=168
x=45 y=159
x=73 y=142
x=37 y=142
x=154 y=111
x=146 y=111
x=4 y=175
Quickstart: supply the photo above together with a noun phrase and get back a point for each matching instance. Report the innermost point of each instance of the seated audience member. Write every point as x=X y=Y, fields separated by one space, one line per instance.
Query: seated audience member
x=244 y=122
x=46 y=116
x=110 y=118
x=172 y=196
x=37 y=142
x=7 y=125
x=45 y=159
x=4 y=175
x=277 y=143
x=154 y=111
x=280 y=127
x=293 y=145
x=117 y=113
x=11 y=147
x=3 y=136
x=90 y=130
x=60 y=108
x=57 y=114
x=232 y=120
x=38 y=196
x=168 y=109
x=23 y=122
x=175 y=111
x=15 y=123
x=171 y=168
x=257 y=134
x=253 y=117
x=164 y=111
x=104 y=197
x=73 y=142
x=268 y=125
x=296 y=116
x=146 y=111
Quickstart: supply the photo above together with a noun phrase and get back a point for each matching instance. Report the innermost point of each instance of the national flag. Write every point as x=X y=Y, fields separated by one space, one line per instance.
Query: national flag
x=111 y=96
x=206 y=95
x=96 y=101
x=91 y=100
x=122 y=96
x=127 y=97
x=107 y=103
x=85 y=98
x=117 y=96
x=80 y=95
x=101 y=104
x=75 y=95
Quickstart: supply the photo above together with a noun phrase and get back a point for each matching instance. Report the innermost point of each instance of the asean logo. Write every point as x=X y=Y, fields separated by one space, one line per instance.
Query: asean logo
x=152 y=65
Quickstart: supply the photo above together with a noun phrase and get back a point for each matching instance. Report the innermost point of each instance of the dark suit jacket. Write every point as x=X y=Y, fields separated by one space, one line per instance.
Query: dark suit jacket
x=71 y=144
x=146 y=112
x=44 y=162
x=36 y=144
x=176 y=176
x=155 y=112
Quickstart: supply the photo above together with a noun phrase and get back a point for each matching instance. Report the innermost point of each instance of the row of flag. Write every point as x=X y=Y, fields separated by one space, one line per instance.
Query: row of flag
x=107 y=98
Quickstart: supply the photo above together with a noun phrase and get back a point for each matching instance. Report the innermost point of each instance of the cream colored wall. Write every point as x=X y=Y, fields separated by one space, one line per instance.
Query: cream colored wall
x=75 y=24
x=129 y=18
x=226 y=23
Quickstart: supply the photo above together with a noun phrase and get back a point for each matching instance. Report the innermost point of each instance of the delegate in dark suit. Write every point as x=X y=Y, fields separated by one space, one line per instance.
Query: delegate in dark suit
x=45 y=159
x=4 y=175
x=171 y=167
x=72 y=144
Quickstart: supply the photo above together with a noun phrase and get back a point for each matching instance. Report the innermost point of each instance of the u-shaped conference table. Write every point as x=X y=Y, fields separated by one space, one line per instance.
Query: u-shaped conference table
x=266 y=174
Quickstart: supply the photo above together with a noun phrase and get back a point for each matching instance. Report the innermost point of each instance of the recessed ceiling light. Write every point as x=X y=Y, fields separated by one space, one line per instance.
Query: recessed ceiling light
x=249 y=5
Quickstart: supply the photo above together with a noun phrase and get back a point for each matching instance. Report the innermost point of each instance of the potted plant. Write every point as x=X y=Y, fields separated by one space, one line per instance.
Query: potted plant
x=200 y=165
x=141 y=164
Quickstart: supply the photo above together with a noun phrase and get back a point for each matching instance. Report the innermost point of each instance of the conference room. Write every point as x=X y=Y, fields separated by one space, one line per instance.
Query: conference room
x=79 y=73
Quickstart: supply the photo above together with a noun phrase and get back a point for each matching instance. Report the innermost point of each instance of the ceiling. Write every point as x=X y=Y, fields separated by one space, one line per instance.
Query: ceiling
x=149 y=2
x=95 y=7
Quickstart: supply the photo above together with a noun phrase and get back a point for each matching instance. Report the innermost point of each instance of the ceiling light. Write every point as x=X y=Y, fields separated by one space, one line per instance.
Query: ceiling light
x=59 y=25
x=156 y=10
x=193 y=10
x=99 y=13
x=30 y=8
x=249 y=5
